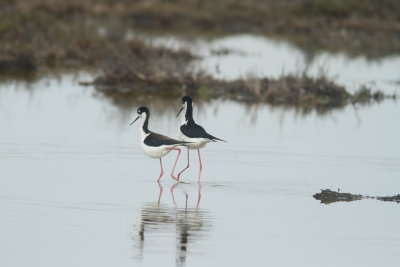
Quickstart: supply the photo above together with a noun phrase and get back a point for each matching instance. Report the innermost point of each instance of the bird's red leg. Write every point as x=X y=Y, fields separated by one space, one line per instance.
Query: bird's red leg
x=162 y=171
x=187 y=166
x=201 y=165
x=176 y=161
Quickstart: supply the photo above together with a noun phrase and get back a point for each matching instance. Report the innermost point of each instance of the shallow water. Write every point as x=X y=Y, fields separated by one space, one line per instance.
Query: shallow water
x=249 y=55
x=76 y=189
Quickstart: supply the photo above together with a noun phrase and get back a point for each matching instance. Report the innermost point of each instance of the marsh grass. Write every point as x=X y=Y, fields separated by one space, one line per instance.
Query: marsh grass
x=40 y=34
x=50 y=33
x=145 y=67
x=167 y=78
x=368 y=26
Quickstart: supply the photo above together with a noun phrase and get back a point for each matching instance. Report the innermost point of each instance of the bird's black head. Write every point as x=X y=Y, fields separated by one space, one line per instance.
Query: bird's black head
x=186 y=100
x=140 y=111
x=186 y=103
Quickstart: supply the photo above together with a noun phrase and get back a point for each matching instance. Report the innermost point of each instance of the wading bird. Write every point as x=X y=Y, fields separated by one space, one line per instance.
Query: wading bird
x=193 y=133
x=156 y=145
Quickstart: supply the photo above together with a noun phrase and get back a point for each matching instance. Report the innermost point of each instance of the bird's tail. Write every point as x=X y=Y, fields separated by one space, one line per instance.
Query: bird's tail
x=180 y=143
x=184 y=143
x=215 y=139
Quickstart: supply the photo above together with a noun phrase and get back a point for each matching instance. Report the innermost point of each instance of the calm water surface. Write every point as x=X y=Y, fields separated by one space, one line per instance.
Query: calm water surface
x=76 y=189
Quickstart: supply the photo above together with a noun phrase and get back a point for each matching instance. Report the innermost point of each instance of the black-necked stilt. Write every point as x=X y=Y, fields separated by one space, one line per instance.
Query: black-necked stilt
x=156 y=145
x=193 y=133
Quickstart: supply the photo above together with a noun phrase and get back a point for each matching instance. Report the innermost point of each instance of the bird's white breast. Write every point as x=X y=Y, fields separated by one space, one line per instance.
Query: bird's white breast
x=156 y=152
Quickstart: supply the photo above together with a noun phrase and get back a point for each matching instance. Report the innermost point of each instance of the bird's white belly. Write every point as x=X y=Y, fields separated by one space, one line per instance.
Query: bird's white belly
x=156 y=152
x=195 y=143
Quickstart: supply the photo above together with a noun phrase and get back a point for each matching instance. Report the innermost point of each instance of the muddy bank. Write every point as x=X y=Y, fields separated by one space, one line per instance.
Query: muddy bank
x=368 y=26
x=50 y=33
x=328 y=196
x=299 y=91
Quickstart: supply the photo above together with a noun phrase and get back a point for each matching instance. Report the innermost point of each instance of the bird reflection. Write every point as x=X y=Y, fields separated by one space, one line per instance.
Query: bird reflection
x=188 y=224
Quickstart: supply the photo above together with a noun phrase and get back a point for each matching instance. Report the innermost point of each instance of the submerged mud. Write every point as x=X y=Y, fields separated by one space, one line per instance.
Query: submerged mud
x=327 y=196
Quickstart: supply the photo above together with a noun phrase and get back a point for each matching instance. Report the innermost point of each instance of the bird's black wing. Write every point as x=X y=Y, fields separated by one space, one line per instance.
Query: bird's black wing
x=155 y=140
x=193 y=130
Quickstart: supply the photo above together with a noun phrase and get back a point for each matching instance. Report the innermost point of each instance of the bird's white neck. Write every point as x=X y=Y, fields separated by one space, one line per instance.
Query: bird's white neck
x=184 y=120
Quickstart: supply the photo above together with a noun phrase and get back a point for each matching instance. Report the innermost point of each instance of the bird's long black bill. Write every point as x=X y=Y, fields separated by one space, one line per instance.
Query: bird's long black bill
x=179 y=112
x=134 y=120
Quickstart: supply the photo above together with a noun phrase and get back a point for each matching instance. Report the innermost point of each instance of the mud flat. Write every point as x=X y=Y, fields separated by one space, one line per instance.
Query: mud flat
x=327 y=196
x=299 y=91
x=48 y=33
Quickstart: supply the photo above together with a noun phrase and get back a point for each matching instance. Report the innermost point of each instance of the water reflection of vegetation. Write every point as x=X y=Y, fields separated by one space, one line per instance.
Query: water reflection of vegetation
x=29 y=78
x=302 y=94
x=188 y=223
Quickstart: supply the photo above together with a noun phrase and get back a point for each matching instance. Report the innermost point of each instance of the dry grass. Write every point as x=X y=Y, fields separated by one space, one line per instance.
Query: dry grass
x=51 y=33
x=165 y=78
x=150 y=68
x=48 y=33
x=291 y=89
